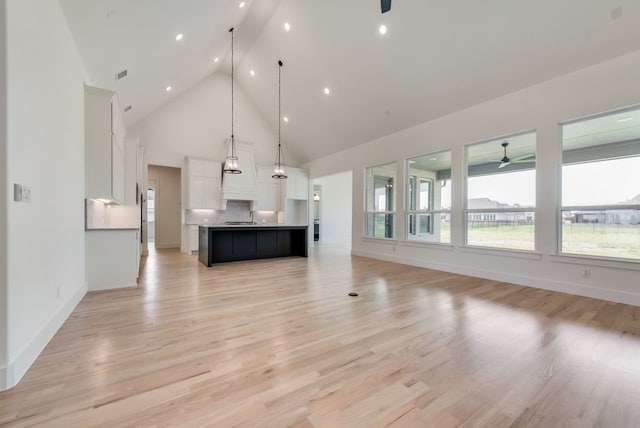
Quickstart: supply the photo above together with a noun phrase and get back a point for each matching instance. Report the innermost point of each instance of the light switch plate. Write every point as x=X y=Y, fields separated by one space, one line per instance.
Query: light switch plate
x=21 y=193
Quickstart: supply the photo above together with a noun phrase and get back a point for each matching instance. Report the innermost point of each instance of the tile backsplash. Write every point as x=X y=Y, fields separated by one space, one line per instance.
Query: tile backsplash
x=236 y=211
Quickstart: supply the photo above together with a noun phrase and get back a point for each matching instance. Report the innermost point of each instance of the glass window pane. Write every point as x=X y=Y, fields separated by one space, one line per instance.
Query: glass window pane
x=501 y=176
x=600 y=172
x=380 y=201
x=602 y=233
x=512 y=230
x=429 y=189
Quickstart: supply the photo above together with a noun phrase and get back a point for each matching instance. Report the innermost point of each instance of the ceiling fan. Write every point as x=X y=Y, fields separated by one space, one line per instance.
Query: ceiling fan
x=385 y=5
x=506 y=160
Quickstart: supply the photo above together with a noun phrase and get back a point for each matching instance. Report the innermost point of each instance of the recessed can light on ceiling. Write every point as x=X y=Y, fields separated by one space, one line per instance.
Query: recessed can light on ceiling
x=179 y=36
x=241 y=5
x=168 y=88
x=382 y=29
x=625 y=119
x=216 y=59
x=251 y=72
x=287 y=27
x=327 y=91
x=286 y=119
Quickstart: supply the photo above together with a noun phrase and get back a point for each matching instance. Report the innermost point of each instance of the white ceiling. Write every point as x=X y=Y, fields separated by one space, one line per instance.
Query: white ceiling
x=437 y=57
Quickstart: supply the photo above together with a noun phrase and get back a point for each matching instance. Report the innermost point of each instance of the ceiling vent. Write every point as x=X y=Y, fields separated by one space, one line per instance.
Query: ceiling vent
x=121 y=75
x=127 y=108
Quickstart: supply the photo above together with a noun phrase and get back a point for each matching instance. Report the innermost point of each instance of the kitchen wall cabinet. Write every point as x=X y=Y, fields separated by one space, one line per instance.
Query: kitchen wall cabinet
x=104 y=146
x=203 y=184
x=297 y=184
x=268 y=190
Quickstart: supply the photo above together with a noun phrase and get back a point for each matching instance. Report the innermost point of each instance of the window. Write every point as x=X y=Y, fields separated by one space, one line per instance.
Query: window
x=501 y=193
x=600 y=213
x=429 y=198
x=380 y=215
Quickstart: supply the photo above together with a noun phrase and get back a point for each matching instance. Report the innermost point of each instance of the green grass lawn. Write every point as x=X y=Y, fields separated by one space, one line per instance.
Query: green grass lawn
x=609 y=240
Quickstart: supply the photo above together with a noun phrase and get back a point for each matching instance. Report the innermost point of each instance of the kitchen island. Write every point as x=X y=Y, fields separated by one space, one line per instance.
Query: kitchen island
x=227 y=243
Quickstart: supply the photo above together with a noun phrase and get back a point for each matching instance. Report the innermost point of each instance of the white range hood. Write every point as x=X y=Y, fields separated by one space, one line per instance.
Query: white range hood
x=241 y=187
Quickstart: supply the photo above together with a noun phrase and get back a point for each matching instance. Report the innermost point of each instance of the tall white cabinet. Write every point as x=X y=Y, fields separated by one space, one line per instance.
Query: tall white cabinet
x=203 y=183
x=104 y=146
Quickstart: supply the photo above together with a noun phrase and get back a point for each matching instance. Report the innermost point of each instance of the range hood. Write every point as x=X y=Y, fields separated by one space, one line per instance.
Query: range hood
x=241 y=187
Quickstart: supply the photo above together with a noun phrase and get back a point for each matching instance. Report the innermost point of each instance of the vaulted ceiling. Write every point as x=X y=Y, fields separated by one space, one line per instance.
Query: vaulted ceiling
x=437 y=57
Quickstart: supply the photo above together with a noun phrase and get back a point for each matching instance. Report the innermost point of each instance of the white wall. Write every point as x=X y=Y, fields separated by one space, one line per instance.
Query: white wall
x=335 y=207
x=45 y=150
x=197 y=122
x=4 y=313
x=606 y=86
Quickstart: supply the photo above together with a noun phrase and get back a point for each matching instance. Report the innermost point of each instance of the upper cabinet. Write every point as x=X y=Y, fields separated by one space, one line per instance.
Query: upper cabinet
x=104 y=146
x=268 y=190
x=203 y=184
x=297 y=184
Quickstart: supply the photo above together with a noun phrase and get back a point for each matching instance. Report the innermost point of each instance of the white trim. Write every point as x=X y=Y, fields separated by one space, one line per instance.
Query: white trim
x=11 y=375
x=388 y=241
x=619 y=296
x=445 y=246
x=611 y=262
x=502 y=252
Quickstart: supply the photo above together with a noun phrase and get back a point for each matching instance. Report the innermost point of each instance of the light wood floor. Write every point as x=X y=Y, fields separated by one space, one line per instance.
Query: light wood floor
x=279 y=343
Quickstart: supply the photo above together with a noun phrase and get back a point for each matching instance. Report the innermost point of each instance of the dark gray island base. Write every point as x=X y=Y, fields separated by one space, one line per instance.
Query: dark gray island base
x=219 y=243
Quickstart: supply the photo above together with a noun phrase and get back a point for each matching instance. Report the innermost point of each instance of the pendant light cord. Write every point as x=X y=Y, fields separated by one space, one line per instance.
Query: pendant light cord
x=279 y=105
x=232 y=148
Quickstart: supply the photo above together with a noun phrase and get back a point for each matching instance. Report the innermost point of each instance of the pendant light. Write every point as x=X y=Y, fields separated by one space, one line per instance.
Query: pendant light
x=280 y=168
x=231 y=161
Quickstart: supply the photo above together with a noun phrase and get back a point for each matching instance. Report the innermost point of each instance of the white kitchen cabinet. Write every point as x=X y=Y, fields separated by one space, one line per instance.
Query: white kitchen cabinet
x=203 y=184
x=193 y=238
x=268 y=190
x=104 y=146
x=297 y=184
x=113 y=258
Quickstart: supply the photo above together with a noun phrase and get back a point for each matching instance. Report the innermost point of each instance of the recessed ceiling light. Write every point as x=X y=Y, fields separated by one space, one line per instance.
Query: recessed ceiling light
x=327 y=91
x=168 y=88
x=625 y=119
x=241 y=5
x=382 y=29
x=179 y=36
x=287 y=27
x=286 y=119
x=432 y=159
x=216 y=59
x=251 y=72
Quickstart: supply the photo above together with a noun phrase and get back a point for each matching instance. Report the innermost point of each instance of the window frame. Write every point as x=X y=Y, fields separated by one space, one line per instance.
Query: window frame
x=414 y=198
x=466 y=211
x=560 y=208
x=386 y=213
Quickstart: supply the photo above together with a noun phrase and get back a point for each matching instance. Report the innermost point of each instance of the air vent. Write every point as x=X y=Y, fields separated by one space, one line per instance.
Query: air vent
x=127 y=108
x=121 y=75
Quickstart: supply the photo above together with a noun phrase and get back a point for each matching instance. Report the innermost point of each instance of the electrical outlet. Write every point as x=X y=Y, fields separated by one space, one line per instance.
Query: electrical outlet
x=586 y=273
x=21 y=193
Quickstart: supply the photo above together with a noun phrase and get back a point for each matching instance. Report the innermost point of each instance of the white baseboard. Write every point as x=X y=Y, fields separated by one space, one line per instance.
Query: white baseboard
x=11 y=375
x=618 y=296
x=168 y=245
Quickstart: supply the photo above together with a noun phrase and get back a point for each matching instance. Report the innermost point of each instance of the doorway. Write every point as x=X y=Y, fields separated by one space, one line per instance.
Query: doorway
x=332 y=208
x=164 y=212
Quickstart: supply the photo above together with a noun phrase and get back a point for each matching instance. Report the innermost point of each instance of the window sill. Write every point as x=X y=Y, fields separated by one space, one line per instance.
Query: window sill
x=388 y=241
x=503 y=252
x=609 y=262
x=427 y=244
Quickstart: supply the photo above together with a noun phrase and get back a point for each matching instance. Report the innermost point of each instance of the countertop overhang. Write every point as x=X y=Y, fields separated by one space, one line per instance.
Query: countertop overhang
x=253 y=226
